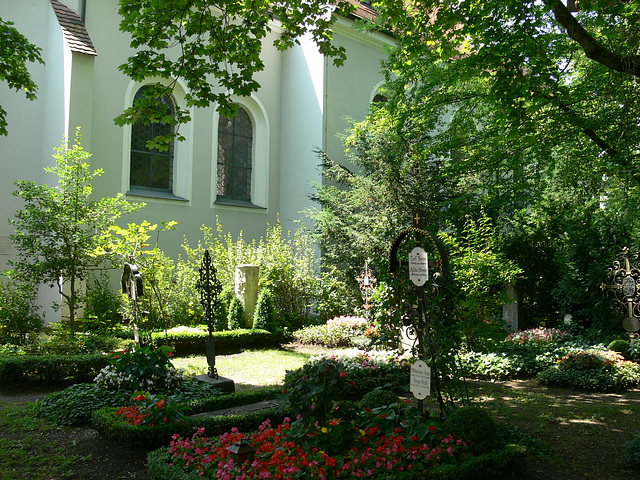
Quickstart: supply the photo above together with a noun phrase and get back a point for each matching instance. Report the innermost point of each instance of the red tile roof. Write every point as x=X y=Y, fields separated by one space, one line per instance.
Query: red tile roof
x=73 y=29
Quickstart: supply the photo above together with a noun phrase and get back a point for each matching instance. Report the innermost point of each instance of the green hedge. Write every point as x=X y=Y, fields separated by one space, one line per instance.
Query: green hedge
x=51 y=368
x=490 y=466
x=144 y=436
x=190 y=343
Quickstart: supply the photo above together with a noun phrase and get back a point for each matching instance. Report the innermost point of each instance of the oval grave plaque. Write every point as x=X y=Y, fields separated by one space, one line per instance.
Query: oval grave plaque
x=418 y=266
x=629 y=286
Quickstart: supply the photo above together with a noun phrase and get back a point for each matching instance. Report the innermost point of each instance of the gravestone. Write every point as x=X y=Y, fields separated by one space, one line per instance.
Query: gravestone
x=510 y=311
x=246 y=289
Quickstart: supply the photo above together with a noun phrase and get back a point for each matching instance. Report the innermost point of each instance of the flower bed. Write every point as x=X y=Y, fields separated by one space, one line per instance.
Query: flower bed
x=338 y=332
x=281 y=454
x=540 y=335
x=593 y=369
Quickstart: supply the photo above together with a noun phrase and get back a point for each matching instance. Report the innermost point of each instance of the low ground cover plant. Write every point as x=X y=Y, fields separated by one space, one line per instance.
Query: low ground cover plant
x=592 y=369
x=522 y=354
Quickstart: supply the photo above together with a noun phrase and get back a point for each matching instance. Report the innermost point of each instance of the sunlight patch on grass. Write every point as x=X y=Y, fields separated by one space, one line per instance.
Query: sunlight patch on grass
x=258 y=367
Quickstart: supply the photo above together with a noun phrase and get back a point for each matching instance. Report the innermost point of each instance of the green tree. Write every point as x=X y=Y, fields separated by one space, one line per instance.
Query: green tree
x=482 y=272
x=217 y=44
x=16 y=52
x=500 y=105
x=60 y=229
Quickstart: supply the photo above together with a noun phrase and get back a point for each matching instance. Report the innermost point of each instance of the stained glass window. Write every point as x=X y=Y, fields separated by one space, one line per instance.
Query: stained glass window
x=235 y=156
x=151 y=169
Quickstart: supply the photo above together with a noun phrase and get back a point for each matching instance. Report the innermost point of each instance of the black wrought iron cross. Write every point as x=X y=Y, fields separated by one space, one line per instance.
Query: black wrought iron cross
x=209 y=287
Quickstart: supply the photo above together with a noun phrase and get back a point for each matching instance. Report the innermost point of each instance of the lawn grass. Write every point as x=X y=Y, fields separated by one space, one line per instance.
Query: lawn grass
x=249 y=369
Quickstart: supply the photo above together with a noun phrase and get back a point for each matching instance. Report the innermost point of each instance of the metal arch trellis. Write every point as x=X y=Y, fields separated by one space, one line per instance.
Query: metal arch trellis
x=209 y=287
x=623 y=277
x=419 y=321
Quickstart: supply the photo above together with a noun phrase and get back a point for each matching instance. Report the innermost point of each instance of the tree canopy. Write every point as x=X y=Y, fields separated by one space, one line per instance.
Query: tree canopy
x=16 y=52
x=528 y=111
x=215 y=46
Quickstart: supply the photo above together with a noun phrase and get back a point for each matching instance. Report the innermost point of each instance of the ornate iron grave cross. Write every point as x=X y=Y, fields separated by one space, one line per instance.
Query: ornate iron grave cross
x=366 y=282
x=428 y=270
x=209 y=287
x=623 y=277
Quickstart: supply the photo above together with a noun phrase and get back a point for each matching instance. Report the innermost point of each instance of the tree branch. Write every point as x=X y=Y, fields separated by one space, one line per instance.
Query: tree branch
x=629 y=64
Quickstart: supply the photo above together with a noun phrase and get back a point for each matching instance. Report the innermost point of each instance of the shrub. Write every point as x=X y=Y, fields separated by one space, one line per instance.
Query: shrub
x=221 y=312
x=151 y=410
x=366 y=371
x=192 y=340
x=281 y=453
x=103 y=306
x=263 y=317
x=19 y=316
x=592 y=370
x=378 y=398
x=236 y=314
x=287 y=267
x=50 y=368
x=622 y=347
x=474 y=426
x=140 y=368
x=74 y=405
x=632 y=451
x=337 y=332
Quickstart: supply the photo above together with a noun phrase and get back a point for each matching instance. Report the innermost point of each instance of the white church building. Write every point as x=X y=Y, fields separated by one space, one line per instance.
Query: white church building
x=302 y=105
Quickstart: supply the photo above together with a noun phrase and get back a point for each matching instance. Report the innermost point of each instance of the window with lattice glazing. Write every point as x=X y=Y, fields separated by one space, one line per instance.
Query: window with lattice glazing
x=151 y=169
x=235 y=156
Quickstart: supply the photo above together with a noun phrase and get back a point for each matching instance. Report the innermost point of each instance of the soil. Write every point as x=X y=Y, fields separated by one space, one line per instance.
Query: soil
x=579 y=444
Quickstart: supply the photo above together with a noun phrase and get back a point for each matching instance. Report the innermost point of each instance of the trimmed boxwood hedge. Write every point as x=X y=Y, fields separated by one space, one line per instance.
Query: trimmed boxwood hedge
x=144 y=436
x=51 y=368
x=498 y=464
x=193 y=343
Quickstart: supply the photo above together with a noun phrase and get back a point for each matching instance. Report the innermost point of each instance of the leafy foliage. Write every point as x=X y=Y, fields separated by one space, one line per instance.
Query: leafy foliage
x=74 y=405
x=474 y=426
x=287 y=267
x=482 y=271
x=337 y=332
x=593 y=370
x=58 y=232
x=632 y=451
x=17 y=53
x=19 y=317
x=236 y=314
x=264 y=314
x=103 y=306
x=142 y=367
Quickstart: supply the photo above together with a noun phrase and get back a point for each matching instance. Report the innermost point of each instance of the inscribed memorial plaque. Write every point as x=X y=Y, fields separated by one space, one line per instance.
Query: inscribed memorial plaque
x=418 y=266
x=420 y=380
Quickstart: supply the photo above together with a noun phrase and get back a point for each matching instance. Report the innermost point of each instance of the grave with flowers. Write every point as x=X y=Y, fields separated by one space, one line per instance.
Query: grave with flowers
x=328 y=426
